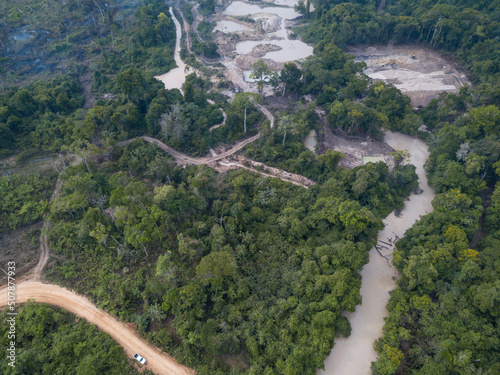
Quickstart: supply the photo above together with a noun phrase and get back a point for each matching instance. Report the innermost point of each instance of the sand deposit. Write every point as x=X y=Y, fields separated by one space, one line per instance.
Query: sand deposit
x=310 y=141
x=272 y=22
x=231 y=27
x=419 y=73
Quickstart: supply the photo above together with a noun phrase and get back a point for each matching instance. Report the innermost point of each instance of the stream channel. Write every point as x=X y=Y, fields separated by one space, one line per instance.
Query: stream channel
x=352 y=355
x=175 y=78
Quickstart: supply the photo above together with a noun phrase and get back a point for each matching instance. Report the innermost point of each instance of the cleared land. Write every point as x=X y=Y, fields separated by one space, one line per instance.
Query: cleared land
x=419 y=73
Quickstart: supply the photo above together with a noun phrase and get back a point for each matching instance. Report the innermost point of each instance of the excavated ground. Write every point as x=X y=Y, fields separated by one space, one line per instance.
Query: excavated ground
x=244 y=39
x=418 y=72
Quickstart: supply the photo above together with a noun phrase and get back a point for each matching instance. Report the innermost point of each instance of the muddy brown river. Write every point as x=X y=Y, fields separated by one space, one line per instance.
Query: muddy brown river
x=353 y=355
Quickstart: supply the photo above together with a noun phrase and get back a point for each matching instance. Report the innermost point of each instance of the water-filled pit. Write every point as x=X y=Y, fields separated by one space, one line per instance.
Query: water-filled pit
x=289 y=50
x=175 y=78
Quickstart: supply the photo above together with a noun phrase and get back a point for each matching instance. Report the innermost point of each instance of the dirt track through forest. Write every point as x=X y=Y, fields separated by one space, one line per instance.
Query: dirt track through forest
x=157 y=361
x=185 y=159
x=29 y=287
x=221 y=163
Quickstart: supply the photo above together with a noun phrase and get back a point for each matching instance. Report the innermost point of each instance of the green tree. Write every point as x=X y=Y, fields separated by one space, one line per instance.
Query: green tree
x=290 y=76
x=261 y=73
x=214 y=268
x=173 y=124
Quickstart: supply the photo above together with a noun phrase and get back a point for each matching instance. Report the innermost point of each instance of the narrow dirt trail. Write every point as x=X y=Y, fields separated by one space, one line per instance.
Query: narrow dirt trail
x=264 y=170
x=30 y=287
x=157 y=361
x=186 y=27
x=44 y=243
x=36 y=273
x=265 y=111
x=196 y=22
x=224 y=117
x=212 y=128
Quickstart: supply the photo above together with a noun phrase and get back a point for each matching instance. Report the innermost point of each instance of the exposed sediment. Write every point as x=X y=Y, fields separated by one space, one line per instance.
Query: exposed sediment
x=420 y=73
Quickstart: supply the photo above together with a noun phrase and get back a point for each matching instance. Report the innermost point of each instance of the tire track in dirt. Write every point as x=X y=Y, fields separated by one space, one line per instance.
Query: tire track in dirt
x=30 y=287
x=221 y=163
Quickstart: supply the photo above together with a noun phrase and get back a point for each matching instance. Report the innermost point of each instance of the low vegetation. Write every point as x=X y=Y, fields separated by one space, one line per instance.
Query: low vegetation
x=24 y=198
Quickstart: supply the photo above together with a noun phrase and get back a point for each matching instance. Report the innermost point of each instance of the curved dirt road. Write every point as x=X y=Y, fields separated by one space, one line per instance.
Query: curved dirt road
x=30 y=288
x=212 y=128
x=185 y=159
x=181 y=158
x=157 y=361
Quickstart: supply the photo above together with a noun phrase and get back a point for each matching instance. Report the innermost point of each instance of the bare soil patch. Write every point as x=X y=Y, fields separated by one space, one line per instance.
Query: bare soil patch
x=19 y=246
x=355 y=148
x=418 y=72
x=239 y=161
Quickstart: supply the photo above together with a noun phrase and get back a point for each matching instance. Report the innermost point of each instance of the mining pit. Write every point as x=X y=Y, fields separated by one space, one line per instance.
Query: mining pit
x=420 y=73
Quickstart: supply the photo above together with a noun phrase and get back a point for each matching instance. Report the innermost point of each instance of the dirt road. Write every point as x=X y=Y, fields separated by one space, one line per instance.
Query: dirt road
x=185 y=159
x=185 y=26
x=221 y=163
x=212 y=128
x=264 y=170
x=30 y=288
x=196 y=22
x=157 y=361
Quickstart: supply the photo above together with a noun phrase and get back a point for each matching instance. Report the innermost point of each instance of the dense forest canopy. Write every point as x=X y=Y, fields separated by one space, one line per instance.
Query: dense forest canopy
x=234 y=272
